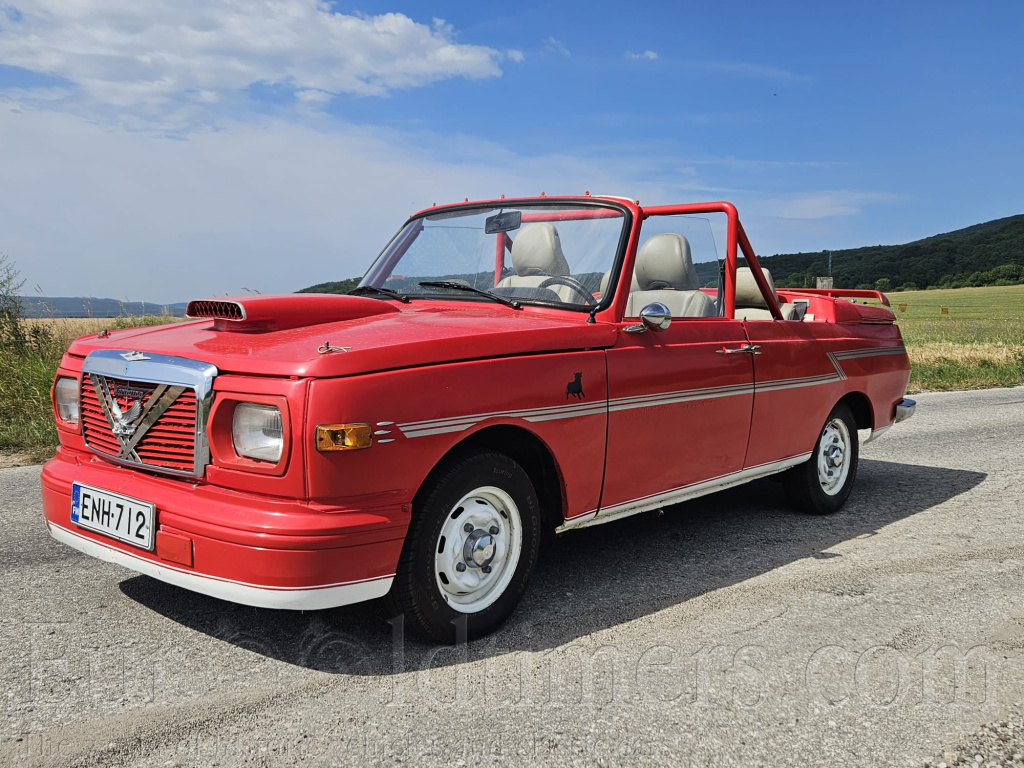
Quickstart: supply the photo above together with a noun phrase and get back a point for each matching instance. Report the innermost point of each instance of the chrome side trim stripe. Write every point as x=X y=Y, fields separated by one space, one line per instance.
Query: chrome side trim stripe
x=680 y=396
x=851 y=354
x=805 y=381
x=595 y=409
x=676 y=495
x=461 y=423
x=848 y=354
x=835 y=364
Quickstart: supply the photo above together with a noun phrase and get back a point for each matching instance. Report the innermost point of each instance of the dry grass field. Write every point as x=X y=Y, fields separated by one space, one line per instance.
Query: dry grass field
x=28 y=362
x=66 y=329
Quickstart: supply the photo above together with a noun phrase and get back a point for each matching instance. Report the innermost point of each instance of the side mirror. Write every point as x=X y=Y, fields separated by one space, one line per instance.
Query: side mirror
x=655 y=317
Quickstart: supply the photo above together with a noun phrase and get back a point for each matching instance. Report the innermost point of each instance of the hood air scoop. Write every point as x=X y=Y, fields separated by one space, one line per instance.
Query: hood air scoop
x=253 y=314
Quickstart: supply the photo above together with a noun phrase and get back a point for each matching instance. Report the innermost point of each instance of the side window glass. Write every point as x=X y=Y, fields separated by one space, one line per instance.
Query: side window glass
x=677 y=261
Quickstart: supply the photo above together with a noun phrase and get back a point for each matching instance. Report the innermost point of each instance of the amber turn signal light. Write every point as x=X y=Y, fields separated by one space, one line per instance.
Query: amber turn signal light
x=343 y=437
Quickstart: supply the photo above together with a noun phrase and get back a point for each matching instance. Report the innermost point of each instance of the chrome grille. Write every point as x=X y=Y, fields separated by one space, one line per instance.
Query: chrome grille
x=147 y=411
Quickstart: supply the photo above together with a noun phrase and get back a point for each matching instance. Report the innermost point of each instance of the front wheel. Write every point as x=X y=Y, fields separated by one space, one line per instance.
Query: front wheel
x=823 y=483
x=471 y=545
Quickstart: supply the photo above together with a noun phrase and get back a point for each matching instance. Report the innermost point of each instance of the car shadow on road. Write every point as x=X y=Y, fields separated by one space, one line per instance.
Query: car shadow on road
x=587 y=580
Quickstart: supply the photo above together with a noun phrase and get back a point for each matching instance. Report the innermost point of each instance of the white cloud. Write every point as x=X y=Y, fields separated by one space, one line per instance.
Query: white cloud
x=648 y=54
x=556 y=46
x=86 y=209
x=145 y=55
x=757 y=71
x=313 y=96
x=822 y=205
x=515 y=56
x=753 y=165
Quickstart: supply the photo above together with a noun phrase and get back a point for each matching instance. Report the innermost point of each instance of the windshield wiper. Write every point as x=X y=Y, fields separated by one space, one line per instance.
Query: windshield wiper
x=470 y=289
x=382 y=291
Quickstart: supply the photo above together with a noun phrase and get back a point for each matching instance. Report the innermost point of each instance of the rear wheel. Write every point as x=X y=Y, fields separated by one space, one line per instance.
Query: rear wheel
x=824 y=482
x=471 y=545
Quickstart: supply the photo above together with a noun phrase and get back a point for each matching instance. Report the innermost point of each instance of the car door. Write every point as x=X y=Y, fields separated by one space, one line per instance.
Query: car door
x=678 y=412
x=680 y=398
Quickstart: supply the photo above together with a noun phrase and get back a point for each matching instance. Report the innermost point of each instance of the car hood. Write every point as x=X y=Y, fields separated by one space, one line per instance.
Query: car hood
x=316 y=336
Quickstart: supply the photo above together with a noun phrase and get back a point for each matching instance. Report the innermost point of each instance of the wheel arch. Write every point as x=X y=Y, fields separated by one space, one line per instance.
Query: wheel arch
x=527 y=450
x=860 y=406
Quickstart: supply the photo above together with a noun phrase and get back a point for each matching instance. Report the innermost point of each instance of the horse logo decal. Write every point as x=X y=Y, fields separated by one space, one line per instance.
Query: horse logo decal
x=575 y=387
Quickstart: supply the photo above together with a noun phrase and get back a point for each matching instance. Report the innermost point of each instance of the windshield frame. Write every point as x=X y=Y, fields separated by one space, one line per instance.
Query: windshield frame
x=523 y=203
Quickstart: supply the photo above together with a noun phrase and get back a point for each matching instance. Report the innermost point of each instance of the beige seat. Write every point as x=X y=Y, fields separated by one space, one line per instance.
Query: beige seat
x=665 y=273
x=750 y=303
x=536 y=256
x=606 y=278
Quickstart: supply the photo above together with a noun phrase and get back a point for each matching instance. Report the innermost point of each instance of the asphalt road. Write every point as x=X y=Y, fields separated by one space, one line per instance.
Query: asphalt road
x=730 y=631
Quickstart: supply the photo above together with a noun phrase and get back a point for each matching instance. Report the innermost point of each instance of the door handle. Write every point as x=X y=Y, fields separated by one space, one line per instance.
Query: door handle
x=746 y=348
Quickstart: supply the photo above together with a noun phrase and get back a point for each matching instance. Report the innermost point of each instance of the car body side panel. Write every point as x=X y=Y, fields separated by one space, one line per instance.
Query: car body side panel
x=805 y=368
x=420 y=414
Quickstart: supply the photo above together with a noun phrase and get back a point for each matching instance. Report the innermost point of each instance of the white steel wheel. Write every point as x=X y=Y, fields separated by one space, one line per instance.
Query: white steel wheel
x=823 y=483
x=478 y=549
x=833 y=456
x=473 y=539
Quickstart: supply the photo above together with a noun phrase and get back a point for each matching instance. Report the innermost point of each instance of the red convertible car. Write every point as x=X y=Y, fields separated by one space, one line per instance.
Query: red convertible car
x=504 y=368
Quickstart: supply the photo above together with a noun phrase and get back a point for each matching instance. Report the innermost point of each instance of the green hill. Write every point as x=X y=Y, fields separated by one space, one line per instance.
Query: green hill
x=984 y=254
x=335 y=286
x=79 y=306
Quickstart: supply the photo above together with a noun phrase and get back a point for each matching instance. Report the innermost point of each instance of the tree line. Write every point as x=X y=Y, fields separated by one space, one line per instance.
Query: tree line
x=984 y=254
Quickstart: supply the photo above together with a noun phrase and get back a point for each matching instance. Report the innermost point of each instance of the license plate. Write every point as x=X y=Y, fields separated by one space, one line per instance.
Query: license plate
x=122 y=518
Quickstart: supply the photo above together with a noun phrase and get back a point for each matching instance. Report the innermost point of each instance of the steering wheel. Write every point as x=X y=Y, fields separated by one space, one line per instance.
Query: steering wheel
x=572 y=283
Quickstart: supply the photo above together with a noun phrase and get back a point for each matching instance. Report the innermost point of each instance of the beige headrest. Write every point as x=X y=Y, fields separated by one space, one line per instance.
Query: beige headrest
x=607 y=278
x=747 y=292
x=537 y=250
x=664 y=262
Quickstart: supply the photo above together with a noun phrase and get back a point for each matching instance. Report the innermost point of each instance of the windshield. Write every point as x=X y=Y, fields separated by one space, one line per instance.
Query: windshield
x=556 y=254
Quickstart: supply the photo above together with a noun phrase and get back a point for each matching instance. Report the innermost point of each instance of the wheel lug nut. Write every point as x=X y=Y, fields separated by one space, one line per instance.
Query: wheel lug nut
x=486 y=569
x=460 y=567
x=493 y=530
x=468 y=527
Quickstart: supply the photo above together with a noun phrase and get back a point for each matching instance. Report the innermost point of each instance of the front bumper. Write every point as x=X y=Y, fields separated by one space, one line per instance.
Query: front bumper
x=235 y=546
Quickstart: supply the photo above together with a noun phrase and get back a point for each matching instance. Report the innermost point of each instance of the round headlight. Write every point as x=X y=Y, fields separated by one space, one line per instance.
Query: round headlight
x=65 y=399
x=258 y=432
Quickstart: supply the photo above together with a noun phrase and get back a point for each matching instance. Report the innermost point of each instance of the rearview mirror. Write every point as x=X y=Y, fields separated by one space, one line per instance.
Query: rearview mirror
x=503 y=222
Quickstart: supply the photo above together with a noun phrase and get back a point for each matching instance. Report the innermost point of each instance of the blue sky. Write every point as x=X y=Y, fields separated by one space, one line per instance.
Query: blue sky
x=171 y=149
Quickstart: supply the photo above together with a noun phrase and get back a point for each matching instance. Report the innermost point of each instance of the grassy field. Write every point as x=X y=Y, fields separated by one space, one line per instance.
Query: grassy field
x=978 y=343
x=27 y=368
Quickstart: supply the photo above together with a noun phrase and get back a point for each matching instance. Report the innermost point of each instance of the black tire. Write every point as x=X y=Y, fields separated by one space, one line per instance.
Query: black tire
x=805 y=487
x=417 y=593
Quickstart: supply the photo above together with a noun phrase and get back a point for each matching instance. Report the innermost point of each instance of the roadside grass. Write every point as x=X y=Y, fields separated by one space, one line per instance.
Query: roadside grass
x=26 y=418
x=978 y=343
x=27 y=369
